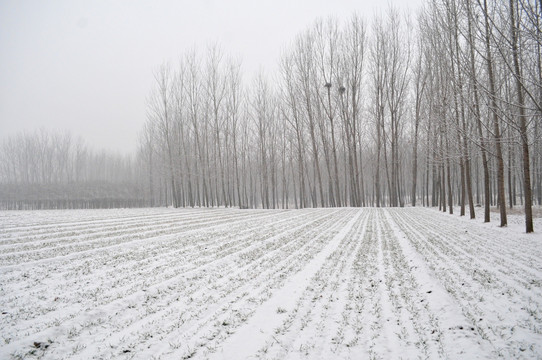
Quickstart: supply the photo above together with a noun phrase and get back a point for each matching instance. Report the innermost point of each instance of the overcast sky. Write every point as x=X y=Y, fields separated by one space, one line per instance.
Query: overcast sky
x=86 y=66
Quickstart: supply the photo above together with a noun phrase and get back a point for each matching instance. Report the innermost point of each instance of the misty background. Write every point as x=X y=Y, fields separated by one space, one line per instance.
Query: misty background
x=87 y=67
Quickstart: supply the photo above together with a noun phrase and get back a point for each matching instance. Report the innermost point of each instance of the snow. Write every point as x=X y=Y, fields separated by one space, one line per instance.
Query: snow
x=272 y=284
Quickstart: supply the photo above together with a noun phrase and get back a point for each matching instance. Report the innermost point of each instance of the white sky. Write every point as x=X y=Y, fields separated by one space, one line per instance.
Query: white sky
x=86 y=66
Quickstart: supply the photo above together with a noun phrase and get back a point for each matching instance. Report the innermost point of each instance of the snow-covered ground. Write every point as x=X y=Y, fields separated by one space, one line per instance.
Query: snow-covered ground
x=283 y=284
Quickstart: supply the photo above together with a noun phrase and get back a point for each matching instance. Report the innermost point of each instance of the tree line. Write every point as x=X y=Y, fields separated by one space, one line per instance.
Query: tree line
x=52 y=170
x=437 y=108
x=442 y=108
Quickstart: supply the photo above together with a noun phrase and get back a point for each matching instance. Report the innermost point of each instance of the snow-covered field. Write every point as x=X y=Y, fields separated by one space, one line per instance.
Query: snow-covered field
x=295 y=284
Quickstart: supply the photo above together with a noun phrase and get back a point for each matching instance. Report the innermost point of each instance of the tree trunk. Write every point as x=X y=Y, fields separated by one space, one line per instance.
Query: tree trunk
x=496 y=127
x=522 y=126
